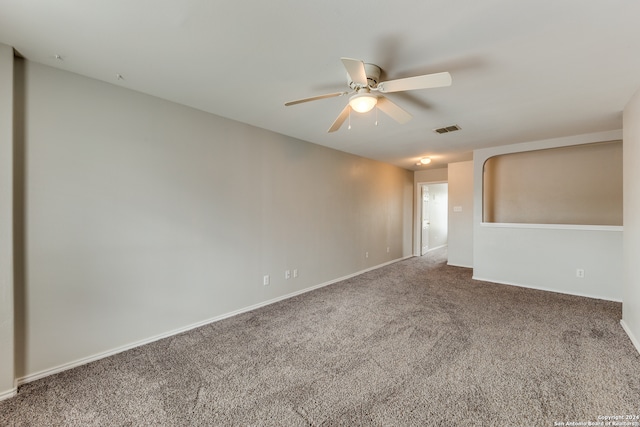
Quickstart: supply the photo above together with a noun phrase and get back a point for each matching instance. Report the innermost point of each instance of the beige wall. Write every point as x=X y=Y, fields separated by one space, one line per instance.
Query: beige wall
x=430 y=175
x=631 y=290
x=460 y=234
x=7 y=385
x=547 y=256
x=144 y=217
x=580 y=184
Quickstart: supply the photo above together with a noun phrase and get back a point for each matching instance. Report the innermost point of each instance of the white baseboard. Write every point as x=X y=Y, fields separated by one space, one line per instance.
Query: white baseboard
x=634 y=340
x=538 y=288
x=8 y=394
x=459 y=265
x=83 y=361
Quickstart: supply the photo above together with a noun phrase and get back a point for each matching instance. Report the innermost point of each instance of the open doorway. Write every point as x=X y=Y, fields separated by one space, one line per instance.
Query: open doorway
x=433 y=216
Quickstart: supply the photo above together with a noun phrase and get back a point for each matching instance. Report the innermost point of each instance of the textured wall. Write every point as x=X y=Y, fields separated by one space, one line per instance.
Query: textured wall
x=7 y=385
x=580 y=184
x=631 y=296
x=144 y=216
x=461 y=214
x=547 y=256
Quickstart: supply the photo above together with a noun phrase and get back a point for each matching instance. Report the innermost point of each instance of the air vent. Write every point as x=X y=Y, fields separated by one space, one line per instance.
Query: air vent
x=447 y=129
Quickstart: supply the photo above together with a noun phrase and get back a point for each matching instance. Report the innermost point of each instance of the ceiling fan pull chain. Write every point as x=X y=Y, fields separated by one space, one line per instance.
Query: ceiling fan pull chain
x=349 y=128
x=376 y=114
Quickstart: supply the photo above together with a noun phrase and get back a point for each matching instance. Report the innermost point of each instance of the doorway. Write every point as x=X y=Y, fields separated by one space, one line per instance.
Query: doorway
x=433 y=216
x=424 y=241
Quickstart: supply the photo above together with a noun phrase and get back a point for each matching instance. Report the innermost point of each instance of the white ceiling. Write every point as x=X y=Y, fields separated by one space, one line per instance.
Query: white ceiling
x=522 y=70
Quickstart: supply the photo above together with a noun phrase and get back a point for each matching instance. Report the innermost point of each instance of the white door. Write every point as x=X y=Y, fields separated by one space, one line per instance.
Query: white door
x=424 y=247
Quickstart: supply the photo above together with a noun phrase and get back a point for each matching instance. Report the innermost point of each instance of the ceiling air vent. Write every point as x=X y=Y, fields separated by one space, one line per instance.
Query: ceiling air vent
x=447 y=129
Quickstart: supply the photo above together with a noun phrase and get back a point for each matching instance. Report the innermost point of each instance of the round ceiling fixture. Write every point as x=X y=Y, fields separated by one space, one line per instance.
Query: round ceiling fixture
x=424 y=161
x=363 y=102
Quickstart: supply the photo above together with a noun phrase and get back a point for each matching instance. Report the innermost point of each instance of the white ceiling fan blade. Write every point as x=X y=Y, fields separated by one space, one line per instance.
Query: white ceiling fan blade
x=392 y=110
x=315 y=98
x=355 y=68
x=340 y=120
x=419 y=82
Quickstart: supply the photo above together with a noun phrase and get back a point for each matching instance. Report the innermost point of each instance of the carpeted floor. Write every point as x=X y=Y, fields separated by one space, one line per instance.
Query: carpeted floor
x=416 y=343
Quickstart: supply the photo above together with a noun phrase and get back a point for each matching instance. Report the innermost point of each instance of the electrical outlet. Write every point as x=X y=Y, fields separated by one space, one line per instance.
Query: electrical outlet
x=265 y=280
x=387 y=249
x=295 y=273
x=287 y=274
x=580 y=273
x=366 y=254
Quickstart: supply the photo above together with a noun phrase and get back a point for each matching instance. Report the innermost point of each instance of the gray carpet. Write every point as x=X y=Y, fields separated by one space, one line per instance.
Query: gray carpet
x=416 y=343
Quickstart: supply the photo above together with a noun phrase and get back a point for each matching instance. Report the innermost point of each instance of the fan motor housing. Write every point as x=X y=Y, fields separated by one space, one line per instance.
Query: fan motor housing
x=373 y=76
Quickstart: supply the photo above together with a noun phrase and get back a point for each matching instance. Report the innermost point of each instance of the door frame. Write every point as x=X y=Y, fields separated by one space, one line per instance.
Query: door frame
x=417 y=217
x=424 y=217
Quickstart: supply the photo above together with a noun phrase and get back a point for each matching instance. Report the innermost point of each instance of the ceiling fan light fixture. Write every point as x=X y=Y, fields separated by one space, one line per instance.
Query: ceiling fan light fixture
x=363 y=78
x=363 y=102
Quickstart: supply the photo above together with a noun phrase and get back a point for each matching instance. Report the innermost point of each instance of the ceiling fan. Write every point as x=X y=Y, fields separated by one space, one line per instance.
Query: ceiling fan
x=363 y=79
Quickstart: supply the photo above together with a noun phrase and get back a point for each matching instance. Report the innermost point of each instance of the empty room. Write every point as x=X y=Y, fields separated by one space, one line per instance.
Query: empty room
x=309 y=214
